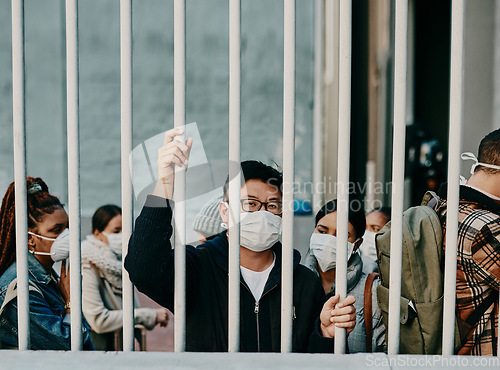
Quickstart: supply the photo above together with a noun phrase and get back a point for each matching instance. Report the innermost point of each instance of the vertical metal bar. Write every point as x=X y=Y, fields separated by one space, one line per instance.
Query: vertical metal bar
x=64 y=113
x=343 y=159
x=180 y=176
x=398 y=167
x=455 y=141
x=318 y=105
x=234 y=173
x=19 y=129
x=288 y=174
x=126 y=149
x=410 y=67
x=74 y=172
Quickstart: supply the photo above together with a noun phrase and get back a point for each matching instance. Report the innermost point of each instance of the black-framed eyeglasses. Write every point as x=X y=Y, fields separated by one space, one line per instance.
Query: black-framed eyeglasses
x=253 y=205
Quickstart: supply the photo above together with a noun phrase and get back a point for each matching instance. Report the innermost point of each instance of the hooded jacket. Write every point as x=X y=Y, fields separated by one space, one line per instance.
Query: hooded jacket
x=150 y=263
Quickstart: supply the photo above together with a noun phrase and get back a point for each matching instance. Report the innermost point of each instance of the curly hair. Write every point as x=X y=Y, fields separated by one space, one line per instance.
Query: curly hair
x=40 y=203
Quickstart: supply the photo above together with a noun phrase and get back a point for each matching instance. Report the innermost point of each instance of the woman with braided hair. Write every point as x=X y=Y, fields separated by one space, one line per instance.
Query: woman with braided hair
x=49 y=296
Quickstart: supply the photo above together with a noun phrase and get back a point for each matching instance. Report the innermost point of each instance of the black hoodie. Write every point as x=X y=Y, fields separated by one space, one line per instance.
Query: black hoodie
x=150 y=263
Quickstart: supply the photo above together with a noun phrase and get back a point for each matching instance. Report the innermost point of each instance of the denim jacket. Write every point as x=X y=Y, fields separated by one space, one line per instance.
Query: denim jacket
x=50 y=327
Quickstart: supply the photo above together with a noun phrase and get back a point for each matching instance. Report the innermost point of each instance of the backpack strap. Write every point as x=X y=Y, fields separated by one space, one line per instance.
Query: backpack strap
x=11 y=293
x=104 y=286
x=101 y=284
x=367 y=305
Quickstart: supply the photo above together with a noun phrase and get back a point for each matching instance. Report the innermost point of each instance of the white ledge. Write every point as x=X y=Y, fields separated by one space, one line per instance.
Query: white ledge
x=240 y=361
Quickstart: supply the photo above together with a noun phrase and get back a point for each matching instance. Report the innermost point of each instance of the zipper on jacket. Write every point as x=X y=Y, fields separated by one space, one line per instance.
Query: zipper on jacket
x=256 y=311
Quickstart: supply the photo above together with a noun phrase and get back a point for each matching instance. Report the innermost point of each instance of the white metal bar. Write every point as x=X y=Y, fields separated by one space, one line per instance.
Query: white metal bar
x=318 y=105
x=345 y=41
x=234 y=173
x=371 y=174
x=410 y=67
x=126 y=149
x=398 y=166
x=455 y=141
x=74 y=172
x=288 y=174
x=180 y=177
x=19 y=130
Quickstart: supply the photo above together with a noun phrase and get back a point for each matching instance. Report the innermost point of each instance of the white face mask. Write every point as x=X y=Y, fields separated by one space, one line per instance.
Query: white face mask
x=470 y=156
x=324 y=248
x=59 y=250
x=260 y=230
x=114 y=242
x=368 y=246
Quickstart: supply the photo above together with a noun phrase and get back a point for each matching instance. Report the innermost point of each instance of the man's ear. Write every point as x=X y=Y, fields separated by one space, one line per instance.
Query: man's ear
x=224 y=212
x=357 y=244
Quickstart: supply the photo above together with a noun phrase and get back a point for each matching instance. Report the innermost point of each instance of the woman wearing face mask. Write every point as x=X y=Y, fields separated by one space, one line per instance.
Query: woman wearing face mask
x=102 y=282
x=48 y=242
x=375 y=221
x=322 y=260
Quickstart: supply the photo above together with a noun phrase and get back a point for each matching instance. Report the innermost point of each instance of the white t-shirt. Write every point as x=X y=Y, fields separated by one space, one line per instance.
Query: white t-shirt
x=256 y=280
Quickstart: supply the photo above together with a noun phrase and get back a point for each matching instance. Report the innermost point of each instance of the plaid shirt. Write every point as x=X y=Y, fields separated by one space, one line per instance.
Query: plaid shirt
x=478 y=266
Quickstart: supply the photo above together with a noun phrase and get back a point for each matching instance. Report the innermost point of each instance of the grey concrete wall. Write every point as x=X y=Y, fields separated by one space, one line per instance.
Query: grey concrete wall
x=207 y=86
x=479 y=86
x=496 y=117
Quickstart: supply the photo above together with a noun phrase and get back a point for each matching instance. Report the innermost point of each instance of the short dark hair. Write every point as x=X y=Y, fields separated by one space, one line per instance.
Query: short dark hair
x=256 y=170
x=103 y=215
x=356 y=214
x=386 y=211
x=489 y=152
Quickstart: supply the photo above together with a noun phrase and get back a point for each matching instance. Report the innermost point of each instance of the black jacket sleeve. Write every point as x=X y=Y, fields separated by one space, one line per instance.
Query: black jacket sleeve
x=150 y=258
x=317 y=342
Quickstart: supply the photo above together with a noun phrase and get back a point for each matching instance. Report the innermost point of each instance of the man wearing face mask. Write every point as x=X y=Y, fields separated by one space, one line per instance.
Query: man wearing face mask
x=322 y=260
x=478 y=249
x=150 y=262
